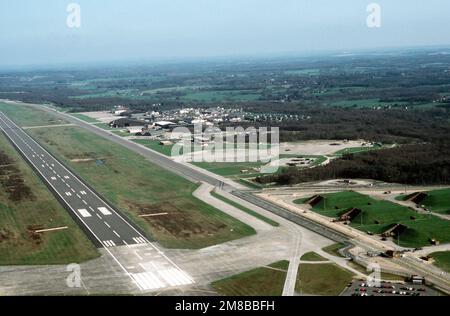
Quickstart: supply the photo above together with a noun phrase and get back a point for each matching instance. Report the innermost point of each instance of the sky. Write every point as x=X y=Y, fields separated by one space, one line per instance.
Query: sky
x=36 y=33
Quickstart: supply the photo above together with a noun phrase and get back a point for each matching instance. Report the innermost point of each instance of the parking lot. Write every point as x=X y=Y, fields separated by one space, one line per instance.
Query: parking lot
x=362 y=288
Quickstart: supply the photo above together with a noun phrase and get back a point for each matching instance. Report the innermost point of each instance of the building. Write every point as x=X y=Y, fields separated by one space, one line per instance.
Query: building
x=124 y=122
x=135 y=129
x=165 y=124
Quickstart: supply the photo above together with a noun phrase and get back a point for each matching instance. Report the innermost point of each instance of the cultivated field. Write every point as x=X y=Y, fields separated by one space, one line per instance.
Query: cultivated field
x=379 y=215
x=26 y=205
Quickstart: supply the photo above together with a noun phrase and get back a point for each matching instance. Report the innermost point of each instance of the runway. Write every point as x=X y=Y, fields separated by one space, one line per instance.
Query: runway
x=146 y=265
x=105 y=225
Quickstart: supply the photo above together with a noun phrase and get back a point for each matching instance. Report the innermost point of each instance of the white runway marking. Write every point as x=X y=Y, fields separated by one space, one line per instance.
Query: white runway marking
x=84 y=212
x=83 y=192
x=68 y=194
x=104 y=210
x=115 y=233
x=109 y=243
x=106 y=224
x=139 y=240
x=66 y=177
x=53 y=178
x=175 y=277
x=147 y=280
x=85 y=203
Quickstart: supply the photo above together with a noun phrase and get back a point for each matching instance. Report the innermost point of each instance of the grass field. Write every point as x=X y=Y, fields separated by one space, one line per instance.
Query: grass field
x=85 y=118
x=27 y=116
x=383 y=275
x=438 y=201
x=230 y=169
x=263 y=281
x=442 y=260
x=221 y=95
x=334 y=249
x=233 y=169
x=244 y=209
x=378 y=215
x=355 y=150
x=366 y=103
x=154 y=145
x=35 y=208
x=322 y=279
x=138 y=187
x=312 y=256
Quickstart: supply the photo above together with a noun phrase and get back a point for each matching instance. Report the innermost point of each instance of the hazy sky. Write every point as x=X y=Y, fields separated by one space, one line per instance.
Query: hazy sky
x=35 y=32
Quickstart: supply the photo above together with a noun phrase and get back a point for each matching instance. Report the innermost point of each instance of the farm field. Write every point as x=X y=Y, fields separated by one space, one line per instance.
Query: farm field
x=26 y=205
x=326 y=279
x=263 y=281
x=364 y=103
x=377 y=216
x=138 y=187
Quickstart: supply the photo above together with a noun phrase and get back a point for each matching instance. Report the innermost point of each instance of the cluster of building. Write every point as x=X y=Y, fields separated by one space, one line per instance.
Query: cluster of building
x=190 y=116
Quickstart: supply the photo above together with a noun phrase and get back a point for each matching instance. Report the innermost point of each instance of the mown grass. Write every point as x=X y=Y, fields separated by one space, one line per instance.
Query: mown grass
x=312 y=256
x=263 y=281
x=325 y=279
x=379 y=215
x=85 y=118
x=334 y=249
x=27 y=116
x=383 y=275
x=355 y=150
x=438 y=201
x=442 y=260
x=244 y=209
x=18 y=219
x=139 y=187
x=230 y=168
